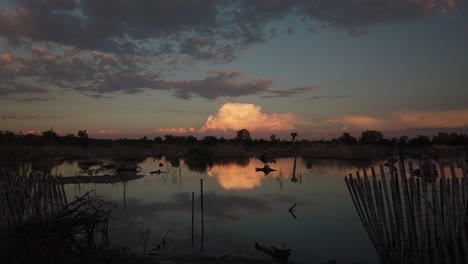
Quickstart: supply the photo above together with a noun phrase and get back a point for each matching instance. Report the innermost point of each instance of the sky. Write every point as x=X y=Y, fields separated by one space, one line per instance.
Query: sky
x=129 y=68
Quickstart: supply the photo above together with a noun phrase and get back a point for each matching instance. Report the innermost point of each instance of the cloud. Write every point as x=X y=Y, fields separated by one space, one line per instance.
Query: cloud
x=90 y=73
x=9 y=87
x=96 y=74
x=8 y=117
x=315 y=97
x=400 y=120
x=289 y=92
x=357 y=16
x=232 y=117
x=205 y=30
x=172 y=130
x=108 y=132
x=32 y=99
x=33 y=132
x=183 y=26
x=219 y=83
x=236 y=116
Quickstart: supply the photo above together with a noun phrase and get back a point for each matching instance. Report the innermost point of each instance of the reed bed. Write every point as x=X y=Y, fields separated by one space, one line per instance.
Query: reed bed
x=39 y=225
x=413 y=219
x=28 y=194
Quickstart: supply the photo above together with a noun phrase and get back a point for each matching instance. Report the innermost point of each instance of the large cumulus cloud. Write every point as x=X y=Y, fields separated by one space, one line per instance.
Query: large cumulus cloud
x=236 y=116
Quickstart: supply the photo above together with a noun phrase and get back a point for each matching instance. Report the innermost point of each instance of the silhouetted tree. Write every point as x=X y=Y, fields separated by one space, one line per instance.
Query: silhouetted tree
x=209 y=140
x=169 y=139
x=347 y=138
x=293 y=135
x=144 y=140
x=49 y=134
x=371 y=137
x=420 y=140
x=441 y=138
x=6 y=136
x=273 y=138
x=158 y=140
x=243 y=135
x=83 y=134
x=403 y=140
x=191 y=139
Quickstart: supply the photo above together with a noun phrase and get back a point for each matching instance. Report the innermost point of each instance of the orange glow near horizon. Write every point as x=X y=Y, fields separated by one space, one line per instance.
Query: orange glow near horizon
x=232 y=117
x=401 y=120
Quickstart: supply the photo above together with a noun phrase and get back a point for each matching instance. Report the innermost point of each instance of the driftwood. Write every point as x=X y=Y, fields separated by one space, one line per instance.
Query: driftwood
x=275 y=253
x=291 y=211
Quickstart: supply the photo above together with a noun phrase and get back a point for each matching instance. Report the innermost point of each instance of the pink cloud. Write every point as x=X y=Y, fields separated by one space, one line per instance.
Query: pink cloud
x=172 y=130
x=33 y=132
x=236 y=116
x=108 y=132
x=400 y=120
x=232 y=117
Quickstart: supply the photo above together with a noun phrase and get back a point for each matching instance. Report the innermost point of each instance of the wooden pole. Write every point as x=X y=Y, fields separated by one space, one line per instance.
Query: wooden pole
x=193 y=205
x=202 y=220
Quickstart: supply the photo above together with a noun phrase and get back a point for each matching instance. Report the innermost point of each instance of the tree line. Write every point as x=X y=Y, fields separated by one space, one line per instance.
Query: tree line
x=243 y=136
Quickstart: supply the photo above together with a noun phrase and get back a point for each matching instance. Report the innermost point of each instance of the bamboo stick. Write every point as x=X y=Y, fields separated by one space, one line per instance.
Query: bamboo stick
x=453 y=224
x=410 y=226
x=355 y=196
x=389 y=204
x=372 y=208
x=429 y=212
x=378 y=198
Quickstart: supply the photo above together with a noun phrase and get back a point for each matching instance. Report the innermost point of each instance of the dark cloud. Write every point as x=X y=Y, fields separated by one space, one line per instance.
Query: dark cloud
x=90 y=73
x=288 y=92
x=219 y=84
x=122 y=46
x=316 y=97
x=32 y=99
x=99 y=75
x=204 y=29
x=8 y=117
x=183 y=111
x=8 y=88
x=356 y=16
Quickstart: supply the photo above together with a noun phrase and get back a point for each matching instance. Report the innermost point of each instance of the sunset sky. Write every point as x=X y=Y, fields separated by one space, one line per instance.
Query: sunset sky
x=128 y=68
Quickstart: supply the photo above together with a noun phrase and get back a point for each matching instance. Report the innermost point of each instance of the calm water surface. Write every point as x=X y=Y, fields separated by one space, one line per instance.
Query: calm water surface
x=241 y=206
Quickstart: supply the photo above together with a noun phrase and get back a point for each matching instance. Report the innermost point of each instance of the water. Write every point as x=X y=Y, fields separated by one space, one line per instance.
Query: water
x=241 y=206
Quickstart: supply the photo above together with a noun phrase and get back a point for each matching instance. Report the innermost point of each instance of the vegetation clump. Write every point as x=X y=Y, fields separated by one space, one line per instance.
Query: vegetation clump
x=38 y=225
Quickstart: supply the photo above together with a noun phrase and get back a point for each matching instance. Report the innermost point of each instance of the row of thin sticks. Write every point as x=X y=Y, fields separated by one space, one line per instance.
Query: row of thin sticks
x=413 y=219
x=28 y=194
